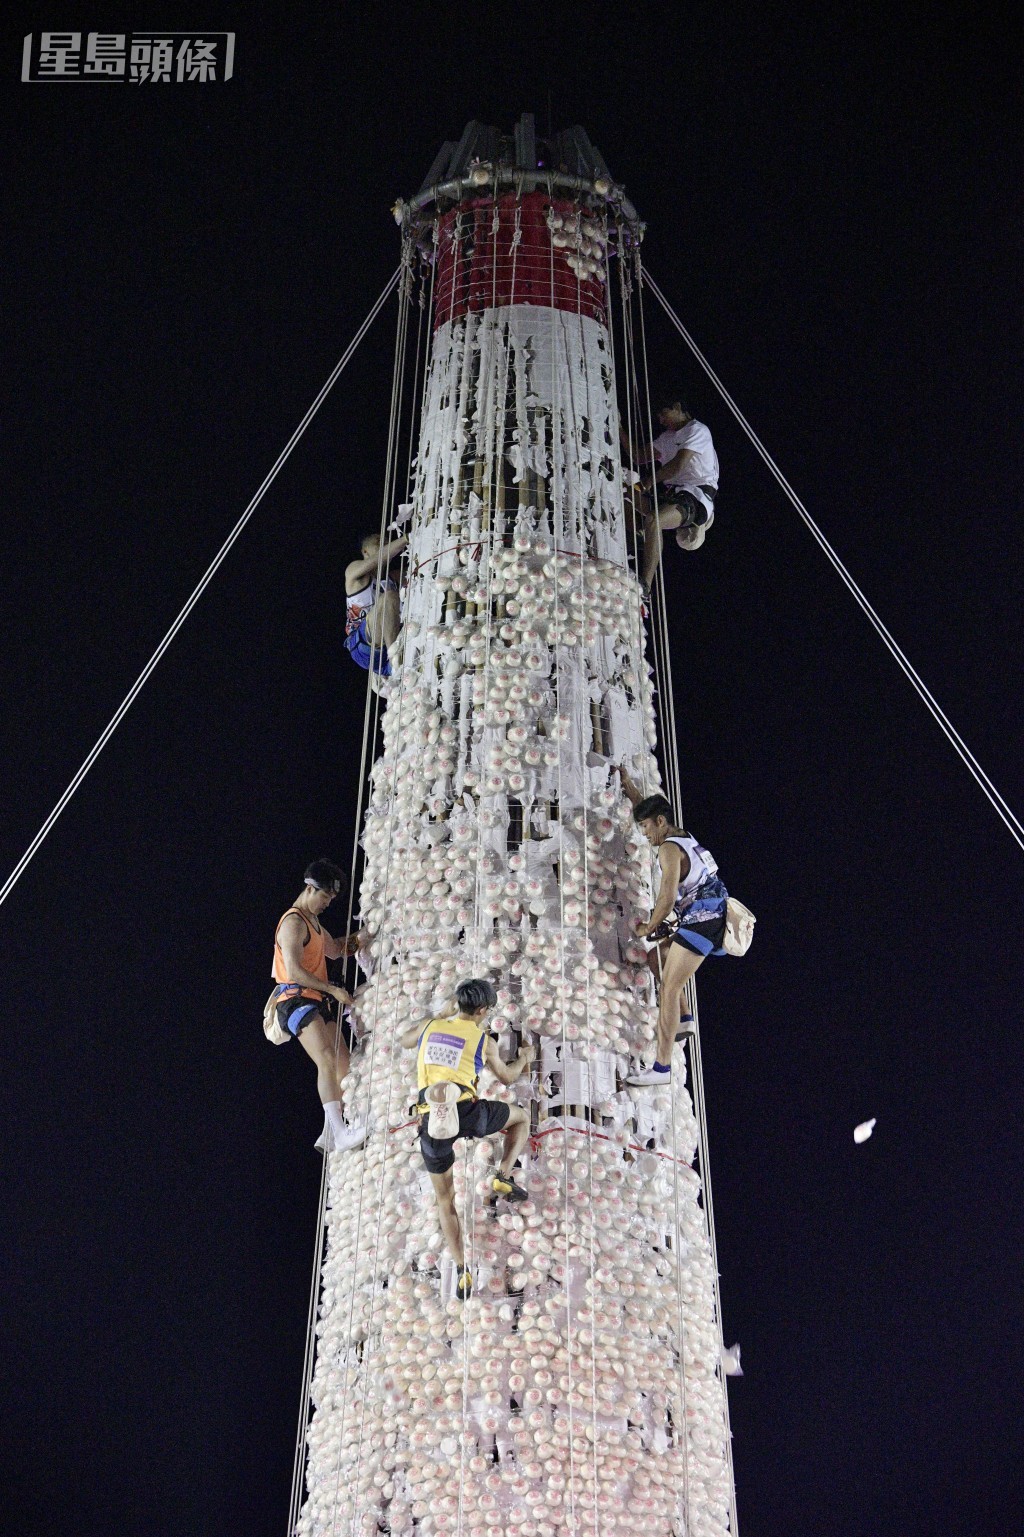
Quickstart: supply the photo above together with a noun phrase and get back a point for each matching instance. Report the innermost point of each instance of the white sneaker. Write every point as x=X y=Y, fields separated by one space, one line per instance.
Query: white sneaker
x=353 y=1136
x=327 y=1142
x=648 y=1079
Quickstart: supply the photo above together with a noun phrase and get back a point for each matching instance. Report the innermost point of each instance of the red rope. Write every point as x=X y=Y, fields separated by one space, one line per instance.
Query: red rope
x=604 y=1137
x=635 y=1147
x=404 y=1125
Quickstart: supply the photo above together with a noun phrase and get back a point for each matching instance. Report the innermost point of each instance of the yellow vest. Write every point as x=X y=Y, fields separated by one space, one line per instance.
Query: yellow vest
x=451 y=1051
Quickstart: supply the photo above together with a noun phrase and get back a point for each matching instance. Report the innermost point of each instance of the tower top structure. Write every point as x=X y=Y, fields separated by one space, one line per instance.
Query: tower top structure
x=564 y=163
x=516 y=219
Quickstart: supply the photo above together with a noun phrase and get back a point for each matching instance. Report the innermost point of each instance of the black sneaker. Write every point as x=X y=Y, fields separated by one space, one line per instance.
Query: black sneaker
x=463 y=1285
x=504 y=1185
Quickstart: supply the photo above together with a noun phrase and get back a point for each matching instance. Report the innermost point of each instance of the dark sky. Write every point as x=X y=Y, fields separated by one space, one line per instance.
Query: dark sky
x=833 y=207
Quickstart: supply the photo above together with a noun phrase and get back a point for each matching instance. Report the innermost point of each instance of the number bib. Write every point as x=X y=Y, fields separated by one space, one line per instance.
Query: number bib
x=443 y=1050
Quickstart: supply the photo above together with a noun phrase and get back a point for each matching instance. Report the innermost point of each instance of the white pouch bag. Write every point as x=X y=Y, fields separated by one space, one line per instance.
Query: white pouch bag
x=443 y=1099
x=739 y=928
x=274 y=1032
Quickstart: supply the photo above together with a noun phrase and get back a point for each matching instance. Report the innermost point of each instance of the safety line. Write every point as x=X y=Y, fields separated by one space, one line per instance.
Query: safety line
x=554 y=491
x=575 y=413
x=696 y=1061
x=1003 y=810
x=309 y=1361
x=197 y=593
x=602 y=1136
x=588 y=538
x=397 y=391
x=670 y=754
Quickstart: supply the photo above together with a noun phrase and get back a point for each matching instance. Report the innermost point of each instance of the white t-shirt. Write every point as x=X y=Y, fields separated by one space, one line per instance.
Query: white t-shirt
x=701 y=470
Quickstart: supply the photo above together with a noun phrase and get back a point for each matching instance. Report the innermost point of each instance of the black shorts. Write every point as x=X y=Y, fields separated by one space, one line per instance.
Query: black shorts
x=477 y=1118
x=294 y=1014
x=692 y=510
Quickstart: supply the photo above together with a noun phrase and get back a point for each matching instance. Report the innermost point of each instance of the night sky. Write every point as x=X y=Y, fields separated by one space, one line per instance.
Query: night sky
x=833 y=208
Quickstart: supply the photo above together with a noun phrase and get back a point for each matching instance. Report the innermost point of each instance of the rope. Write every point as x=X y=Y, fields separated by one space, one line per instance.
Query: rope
x=1001 y=807
x=602 y=1136
x=592 y=1264
x=554 y=493
x=298 y=1466
x=197 y=593
x=397 y=386
x=696 y=1066
x=576 y=413
x=490 y=434
x=299 y=1455
x=663 y=686
x=379 y=975
x=634 y=414
x=394 y=436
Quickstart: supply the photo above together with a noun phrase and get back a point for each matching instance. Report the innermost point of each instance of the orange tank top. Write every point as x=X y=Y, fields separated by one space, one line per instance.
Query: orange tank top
x=313 y=958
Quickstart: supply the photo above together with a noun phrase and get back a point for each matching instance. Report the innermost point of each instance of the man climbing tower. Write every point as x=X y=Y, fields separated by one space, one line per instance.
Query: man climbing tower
x=374 y=616
x=302 y=948
x=451 y=1054
x=686 y=476
x=690 y=913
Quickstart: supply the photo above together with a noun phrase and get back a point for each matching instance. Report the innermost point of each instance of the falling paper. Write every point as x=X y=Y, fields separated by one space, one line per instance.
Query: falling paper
x=862 y=1132
x=731 y=1361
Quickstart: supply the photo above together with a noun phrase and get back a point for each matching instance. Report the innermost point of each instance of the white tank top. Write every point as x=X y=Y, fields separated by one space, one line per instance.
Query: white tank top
x=361 y=602
x=702 y=868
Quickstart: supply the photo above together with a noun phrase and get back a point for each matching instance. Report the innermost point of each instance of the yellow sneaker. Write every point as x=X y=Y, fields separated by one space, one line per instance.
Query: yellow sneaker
x=504 y=1185
x=464 y=1284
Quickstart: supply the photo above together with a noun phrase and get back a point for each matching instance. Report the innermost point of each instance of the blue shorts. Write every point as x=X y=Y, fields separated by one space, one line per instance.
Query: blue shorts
x=372 y=658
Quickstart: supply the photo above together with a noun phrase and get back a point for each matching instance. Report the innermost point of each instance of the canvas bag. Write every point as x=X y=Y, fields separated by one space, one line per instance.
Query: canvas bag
x=443 y=1120
x=739 y=928
x=274 y=1032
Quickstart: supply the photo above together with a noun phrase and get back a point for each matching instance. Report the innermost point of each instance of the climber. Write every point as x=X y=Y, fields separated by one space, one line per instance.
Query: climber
x=302 y=948
x=687 y=481
x=688 y=919
x=373 y=617
x=452 y=1051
